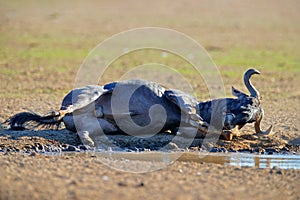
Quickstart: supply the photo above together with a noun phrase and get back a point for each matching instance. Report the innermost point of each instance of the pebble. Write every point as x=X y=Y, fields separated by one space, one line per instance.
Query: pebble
x=33 y=154
x=259 y=150
x=285 y=149
x=84 y=147
x=276 y=170
x=271 y=151
x=105 y=178
x=71 y=148
x=122 y=184
x=27 y=146
x=232 y=150
x=39 y=146
x=216 y=149
x=141 y=184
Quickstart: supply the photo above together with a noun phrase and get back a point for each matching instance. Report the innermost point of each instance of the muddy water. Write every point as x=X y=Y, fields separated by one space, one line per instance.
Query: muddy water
x=249 y=160
x=282 y=161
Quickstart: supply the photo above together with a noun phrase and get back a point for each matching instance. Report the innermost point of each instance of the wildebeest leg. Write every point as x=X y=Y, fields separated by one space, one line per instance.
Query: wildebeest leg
x=85 y=138
x=98 y=112
x=90 y=128
x=196 y=121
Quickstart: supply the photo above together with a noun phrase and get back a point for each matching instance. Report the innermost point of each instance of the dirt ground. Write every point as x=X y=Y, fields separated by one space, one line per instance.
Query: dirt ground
x=42 y=45
x=85 y=177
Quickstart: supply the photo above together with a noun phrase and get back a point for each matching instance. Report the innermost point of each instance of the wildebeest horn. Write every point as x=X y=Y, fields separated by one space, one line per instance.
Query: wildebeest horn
x=257 y=125
x=253 y=91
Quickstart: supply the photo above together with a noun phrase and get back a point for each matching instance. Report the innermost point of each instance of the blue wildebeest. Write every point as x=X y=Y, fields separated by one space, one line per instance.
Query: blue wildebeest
x=138 y=107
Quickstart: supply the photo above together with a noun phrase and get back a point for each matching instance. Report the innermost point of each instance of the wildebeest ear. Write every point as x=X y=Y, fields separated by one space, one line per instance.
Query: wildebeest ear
x=236 y=92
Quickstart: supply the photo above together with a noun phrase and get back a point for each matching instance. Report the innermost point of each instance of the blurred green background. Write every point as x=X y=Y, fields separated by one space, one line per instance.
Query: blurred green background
x=43 y=43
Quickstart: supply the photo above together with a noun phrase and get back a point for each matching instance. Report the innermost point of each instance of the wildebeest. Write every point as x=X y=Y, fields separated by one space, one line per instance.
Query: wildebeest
x=138 y=107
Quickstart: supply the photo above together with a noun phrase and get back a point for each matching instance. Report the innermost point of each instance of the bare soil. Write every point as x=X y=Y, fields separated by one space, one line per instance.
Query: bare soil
x=34 y=80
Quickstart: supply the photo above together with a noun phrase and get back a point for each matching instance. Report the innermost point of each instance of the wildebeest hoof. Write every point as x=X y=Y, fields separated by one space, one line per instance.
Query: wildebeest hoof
x=85 y=138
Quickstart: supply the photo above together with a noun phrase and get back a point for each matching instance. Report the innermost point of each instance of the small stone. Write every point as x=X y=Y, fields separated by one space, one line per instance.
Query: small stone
x=105 y=178
x=72 y=148
x=198 y=173
x=262 y=151
x=33 y=154
x=141 y=184
x=122 y=184
x=39 y=146
x=285 y=149
x=214 y=149
x=271 y=150
x=254 y=137
x=279 y=172
x=276 y=170
x=73 y=182
x=83 y=147
x=222 y=149
x=245 y=150
x=232 y=150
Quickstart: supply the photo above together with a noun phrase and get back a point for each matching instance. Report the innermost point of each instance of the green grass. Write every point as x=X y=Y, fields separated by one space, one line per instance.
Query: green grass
x=60 y=51
x=29 y=53
x=37 y=56
x=272 y=60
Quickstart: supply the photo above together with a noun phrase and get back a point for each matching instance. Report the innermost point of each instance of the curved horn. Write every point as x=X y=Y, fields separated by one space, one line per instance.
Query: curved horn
x=253 y=91
x=257 y=125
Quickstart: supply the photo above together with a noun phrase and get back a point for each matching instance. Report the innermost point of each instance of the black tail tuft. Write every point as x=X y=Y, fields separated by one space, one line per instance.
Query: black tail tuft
x=30 y=120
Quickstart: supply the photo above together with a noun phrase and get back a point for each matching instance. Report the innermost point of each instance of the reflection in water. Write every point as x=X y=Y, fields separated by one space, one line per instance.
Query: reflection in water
x=283 y=161
x=233 y=159
x=267 y=161
x=251 y=160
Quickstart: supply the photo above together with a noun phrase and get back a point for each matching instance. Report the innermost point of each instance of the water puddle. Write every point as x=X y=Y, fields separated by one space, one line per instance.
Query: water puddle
x=282 y=161
x=246 y=160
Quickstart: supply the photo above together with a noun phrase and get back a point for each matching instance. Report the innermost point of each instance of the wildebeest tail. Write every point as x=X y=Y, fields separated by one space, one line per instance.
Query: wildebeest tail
x=31 y=120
